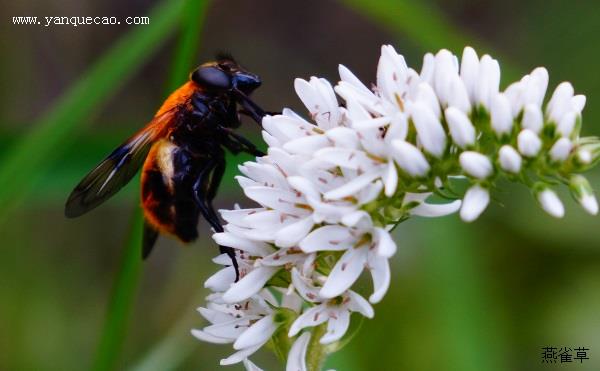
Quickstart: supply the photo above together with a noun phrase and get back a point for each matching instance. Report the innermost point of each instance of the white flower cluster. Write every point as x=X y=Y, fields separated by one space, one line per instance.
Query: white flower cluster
x=330 y=189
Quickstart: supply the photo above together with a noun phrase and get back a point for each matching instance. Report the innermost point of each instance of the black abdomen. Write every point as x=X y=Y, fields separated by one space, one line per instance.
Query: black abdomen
x=167 y=191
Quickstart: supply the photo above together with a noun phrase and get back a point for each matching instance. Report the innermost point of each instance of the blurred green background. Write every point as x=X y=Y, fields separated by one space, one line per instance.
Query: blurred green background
x=484 y=296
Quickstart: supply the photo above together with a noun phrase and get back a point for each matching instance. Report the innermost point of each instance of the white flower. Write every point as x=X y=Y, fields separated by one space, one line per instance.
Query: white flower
x=364 y=246
x=248 y=325
x=333 y=186
x=336 y=312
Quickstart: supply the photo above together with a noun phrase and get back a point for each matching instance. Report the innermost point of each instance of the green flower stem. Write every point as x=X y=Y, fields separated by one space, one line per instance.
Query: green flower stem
x=316 y=352
x=121 y=302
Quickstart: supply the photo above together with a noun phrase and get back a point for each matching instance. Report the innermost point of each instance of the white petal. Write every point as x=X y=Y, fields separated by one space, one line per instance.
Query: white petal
x=304 y=288
x=257 y=334
x=359 y=219
x=203 y=336
x=380 y=272
x=429 y=129
x=551 y=203
x=311 y=317
x=409 y=158
x=239 y=356
x=435 y=210
x=533 y=118
x=561 y=149
x=348 y=76
x=250 y=366
x=343 y=137
x=330 y=237
x=509 y=158
x=228 y=330
x=386 y=247
x=345 y=272
x=353 y=186
x=344 y=157
x=306 y=145
x=336 y=327
x=461 y=129
x=529 y=143
x=359 y=304
x=221 y=280
x=476 y=164
x=296 y=359
x=214 y=316
x=500 y=111
x=254 y=248
x=249 y=285
x=277 y=199
x=474 y=203
x=291 y=234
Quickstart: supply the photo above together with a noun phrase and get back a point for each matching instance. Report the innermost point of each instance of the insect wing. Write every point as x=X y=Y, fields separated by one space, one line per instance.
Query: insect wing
x=118 y=168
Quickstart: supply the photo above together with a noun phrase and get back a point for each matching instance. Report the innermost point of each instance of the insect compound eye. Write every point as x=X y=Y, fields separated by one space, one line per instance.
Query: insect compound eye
x=212 y=77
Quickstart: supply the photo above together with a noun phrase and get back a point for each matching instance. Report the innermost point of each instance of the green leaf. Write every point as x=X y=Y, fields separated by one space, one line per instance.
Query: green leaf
x=121 y=302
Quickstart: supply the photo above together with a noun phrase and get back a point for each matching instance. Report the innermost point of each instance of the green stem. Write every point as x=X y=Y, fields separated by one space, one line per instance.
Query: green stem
x=121 y=300
x=316 y=352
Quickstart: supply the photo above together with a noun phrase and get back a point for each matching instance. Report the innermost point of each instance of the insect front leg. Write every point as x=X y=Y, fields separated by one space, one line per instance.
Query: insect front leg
x=205 y=189
x=237 y=143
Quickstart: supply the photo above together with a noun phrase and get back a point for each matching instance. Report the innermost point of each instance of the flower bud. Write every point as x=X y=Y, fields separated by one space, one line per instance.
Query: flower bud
x=500 y=112
x=582 y=191
x=409 y=158
x=549 y=201
x=509 y=158
x=561 y=149
x=529 y=143
x=461 y=129
x=475 y=164
x=476 y=200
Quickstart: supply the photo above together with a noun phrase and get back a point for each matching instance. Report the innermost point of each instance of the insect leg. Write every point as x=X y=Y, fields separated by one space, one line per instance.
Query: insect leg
x=237 y=143
x=205 y=190
x=250 y=108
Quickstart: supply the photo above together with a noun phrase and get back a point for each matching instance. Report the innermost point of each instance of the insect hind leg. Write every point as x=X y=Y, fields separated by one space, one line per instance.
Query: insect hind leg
x=205 y=190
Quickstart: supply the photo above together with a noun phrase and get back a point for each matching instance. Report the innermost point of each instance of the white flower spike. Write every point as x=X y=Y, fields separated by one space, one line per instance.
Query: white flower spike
x=334 y=184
